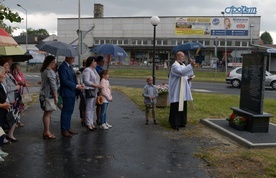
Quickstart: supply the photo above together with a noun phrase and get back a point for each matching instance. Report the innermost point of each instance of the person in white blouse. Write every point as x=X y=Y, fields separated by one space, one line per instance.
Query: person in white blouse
x=91 y=80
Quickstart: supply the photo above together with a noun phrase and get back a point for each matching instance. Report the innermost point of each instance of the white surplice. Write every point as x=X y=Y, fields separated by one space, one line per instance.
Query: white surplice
x=177 y=72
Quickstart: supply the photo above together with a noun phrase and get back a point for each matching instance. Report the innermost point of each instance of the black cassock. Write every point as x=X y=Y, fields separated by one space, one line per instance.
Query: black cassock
x=178 y=118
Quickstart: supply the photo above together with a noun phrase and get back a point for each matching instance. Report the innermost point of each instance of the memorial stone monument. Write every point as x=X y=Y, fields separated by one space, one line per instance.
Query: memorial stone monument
x=252 y=93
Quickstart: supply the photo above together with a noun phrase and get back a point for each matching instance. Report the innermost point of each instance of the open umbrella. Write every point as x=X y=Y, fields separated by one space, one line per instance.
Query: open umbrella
x=6 y=39
x=57 y=48
x=110 y=49
x=20 y=58
x=11 y=50
x=188 y=46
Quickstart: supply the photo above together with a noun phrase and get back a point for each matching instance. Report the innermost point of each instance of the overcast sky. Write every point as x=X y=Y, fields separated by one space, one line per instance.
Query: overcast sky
x=44 y=13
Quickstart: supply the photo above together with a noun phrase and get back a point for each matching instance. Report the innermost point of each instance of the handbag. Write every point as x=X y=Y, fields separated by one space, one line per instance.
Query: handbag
x=100 y=100
x=50 y=104
x=11 y=118
x=26 y=97
x=90 y=93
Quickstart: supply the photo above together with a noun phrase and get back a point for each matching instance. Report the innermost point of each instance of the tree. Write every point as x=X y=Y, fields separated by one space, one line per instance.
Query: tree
x=7 y=14
x=37 y=32
x=266 y=37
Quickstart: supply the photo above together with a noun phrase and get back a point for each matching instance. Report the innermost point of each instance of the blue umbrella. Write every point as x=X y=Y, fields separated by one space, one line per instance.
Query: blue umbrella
x=110 y=49
x=188 y=46
x=57 y=48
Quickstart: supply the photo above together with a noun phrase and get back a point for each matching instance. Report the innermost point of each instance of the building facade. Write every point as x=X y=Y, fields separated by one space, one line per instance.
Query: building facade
x=231 y=35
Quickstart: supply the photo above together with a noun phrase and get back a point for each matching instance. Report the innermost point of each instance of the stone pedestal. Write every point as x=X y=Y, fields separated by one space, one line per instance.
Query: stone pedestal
x=162 y=100
x=255 y=122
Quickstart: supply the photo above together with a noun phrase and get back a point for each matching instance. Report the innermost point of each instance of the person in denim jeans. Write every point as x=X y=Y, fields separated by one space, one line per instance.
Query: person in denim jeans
x=105 y=92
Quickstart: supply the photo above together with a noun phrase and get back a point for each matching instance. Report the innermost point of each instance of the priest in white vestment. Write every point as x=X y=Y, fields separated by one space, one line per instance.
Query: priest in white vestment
x=179 y=90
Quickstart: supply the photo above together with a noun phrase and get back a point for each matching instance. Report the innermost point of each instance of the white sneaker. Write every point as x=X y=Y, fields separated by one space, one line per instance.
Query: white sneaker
x=108 y=125
x=1 y=159
x=104 y=127
x=3 y=154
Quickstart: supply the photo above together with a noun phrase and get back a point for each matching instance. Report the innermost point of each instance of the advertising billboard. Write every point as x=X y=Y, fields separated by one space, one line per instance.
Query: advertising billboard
x=229 y=26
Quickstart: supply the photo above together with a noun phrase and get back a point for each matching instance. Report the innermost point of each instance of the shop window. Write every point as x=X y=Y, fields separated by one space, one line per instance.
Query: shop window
x=207 y=43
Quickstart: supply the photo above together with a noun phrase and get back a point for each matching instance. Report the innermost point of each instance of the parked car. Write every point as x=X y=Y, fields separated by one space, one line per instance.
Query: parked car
x=234 y=78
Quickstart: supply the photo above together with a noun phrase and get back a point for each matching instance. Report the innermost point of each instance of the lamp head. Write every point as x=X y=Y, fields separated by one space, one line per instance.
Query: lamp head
x=154 y=20
x=222 y=12
x=18 y=5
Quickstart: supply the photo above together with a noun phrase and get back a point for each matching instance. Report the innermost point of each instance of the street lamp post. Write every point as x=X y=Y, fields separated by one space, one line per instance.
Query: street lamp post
x=154 y=21
x=225 y=44
x=26 y=25
x=26 y=31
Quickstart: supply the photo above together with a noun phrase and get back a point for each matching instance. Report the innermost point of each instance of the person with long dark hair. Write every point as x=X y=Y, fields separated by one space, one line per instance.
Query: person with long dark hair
x=48 y=90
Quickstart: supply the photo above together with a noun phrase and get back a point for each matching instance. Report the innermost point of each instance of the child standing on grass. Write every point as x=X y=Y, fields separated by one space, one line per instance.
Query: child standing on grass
x=105 y=92
x=150 y=93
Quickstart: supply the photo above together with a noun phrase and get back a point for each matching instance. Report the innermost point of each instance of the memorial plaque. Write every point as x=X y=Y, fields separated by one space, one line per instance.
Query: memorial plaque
x=252 y=86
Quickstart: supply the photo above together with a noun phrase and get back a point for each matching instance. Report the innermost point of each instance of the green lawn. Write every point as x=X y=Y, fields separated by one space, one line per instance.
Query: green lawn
x=224 y=160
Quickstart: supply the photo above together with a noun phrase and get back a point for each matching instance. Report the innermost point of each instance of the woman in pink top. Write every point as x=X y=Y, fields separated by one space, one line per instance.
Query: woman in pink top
x=105 y=92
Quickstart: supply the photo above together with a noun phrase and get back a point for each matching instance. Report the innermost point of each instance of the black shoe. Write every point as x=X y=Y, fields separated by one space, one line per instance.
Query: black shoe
x=83 y=124
x=155 y=123
x=90 y=129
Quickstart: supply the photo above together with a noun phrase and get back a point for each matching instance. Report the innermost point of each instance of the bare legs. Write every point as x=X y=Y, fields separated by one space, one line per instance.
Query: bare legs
x=46 y=123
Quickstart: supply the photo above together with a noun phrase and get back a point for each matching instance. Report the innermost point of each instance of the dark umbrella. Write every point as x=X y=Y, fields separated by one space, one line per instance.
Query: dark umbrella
x=110 y=49
x=188 y=46
x=20 y=58
x=57 y=48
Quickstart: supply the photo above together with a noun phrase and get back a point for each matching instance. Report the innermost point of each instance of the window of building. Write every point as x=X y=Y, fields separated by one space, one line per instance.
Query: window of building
x=229 y=43
x=133 y=42
x=207 y=43
x=114 y=41
x=101 y=42
x=237 y=43
x=145 y=42
x=125 y=42
x=221 y=43
x=165 y=42
x=244 y=43
x=120 y=42
x=158 y=42
x=139 y=42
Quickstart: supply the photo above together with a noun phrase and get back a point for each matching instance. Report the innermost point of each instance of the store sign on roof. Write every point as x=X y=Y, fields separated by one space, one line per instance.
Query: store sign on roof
x=240 y=10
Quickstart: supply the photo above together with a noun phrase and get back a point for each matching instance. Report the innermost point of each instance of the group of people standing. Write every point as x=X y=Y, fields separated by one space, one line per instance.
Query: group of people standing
x=11 y=89
x=66 y=83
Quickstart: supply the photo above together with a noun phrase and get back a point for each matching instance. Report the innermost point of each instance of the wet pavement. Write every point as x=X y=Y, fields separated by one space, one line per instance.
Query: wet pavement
x=129 y=149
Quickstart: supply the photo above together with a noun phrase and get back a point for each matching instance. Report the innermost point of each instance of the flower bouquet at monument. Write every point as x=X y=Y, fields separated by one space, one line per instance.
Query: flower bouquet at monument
x=237 y=122
x=163 y=89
